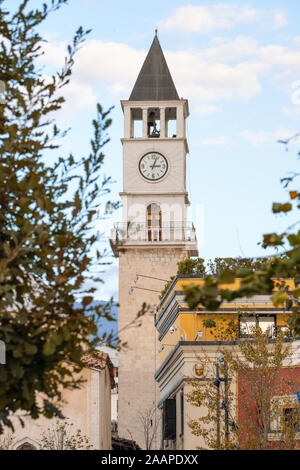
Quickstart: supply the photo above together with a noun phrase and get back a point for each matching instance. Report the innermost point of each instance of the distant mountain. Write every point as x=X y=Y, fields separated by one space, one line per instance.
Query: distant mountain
x=106 y=326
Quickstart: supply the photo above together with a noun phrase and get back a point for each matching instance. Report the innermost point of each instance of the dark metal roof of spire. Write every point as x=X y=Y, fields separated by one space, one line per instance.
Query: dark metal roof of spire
x=154 y=81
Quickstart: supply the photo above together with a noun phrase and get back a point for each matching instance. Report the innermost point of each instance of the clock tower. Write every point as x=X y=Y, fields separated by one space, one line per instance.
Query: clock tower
x=154 y=233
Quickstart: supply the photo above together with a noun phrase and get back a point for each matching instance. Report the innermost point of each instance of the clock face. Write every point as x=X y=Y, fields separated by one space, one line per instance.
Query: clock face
x=153 y=166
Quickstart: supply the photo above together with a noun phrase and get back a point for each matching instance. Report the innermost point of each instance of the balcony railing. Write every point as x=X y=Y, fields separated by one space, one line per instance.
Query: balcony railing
x=172 y=232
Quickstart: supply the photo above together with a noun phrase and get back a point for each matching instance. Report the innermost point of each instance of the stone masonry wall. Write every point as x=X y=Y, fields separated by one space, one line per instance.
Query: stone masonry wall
x=138 y=392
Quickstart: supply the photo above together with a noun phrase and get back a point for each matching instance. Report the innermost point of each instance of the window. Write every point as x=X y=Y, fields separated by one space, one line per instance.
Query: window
x=285 y=329
x=291 y=418
x=169 y=419
x=171 y=122
x=247 y=325
x=136 y=123
x=267 y=323
x=154 y=222
x=285 y=417
x=182 y=413
x=26 y=446
x=153 y=122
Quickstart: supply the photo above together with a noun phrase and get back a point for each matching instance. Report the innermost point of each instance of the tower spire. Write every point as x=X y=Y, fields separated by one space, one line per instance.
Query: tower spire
x=154 y=81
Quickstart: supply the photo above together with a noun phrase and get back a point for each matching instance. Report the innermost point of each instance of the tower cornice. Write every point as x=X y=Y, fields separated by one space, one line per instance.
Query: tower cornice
x=157 y=104
x=161 y=139
x=164 y=193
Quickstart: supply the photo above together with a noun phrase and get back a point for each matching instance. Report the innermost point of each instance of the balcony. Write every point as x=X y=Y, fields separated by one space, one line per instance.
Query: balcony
x=135 y=233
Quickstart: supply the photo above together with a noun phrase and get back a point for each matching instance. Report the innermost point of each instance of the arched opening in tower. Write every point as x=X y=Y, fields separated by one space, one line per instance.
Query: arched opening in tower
x=154 y=222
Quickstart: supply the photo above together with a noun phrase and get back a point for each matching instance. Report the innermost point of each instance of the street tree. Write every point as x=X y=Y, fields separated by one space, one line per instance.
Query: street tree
x=150 y=422
x=47 y=215
x=62 y=436
x=246 y=400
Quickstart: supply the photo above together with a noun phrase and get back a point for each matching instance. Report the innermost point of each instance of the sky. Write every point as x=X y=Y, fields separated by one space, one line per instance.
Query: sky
x=238 y=64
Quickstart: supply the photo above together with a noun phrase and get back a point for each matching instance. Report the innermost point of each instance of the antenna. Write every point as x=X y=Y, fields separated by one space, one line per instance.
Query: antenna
x=239 y=242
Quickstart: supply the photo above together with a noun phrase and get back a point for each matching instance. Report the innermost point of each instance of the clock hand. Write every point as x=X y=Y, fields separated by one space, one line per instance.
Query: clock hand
x=154 y=163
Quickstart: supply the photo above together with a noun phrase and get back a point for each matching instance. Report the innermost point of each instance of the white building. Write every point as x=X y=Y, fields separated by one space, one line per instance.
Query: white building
x=113 y=355
x=87 y=409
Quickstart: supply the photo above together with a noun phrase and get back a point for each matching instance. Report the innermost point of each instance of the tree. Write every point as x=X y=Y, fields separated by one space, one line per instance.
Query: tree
x=61 y=436
x=191 y=266
x=256 y=364
x=150 y=423
x=213 y=267
x=218 y=266
x=7 y=440
x=47 y=212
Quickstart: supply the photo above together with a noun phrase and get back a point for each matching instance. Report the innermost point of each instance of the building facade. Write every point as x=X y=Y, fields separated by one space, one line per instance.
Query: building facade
x=87 y=409
x=154 y=233
x=189 y=349
x=113 y=355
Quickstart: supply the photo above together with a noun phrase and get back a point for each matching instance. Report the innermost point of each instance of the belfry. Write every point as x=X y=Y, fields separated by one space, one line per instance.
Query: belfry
x=154 y=233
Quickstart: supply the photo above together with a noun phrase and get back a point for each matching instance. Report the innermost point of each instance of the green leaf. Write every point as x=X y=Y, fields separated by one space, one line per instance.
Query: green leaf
x=279 y=298
x=278 y=207
x=30 y=349
x=49 y=348
x=227 y=277
x=87 y=300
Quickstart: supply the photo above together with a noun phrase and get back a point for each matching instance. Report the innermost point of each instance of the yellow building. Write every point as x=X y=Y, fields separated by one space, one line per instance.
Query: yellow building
x=183 y=335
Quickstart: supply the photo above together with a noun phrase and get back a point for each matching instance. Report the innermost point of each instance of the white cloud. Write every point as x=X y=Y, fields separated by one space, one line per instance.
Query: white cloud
x=296 y=41
x=108 y=62
x=204 y=109
x=260 y=138
x=280 y=19
x=77 y=96
x=207 y=18
x=109 y=288
x=211 y=82
x=221 y=141
x=97 y=62
x=221 y=16
x=290 y=112
x=255 y=138
x=226 y=70
x=225 y=50
x=54 y=52
x=275 y=54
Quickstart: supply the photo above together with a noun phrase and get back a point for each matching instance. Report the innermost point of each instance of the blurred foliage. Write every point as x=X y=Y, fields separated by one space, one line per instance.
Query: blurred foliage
x=215 y=267
x=63 y=436
x=191 y=266
x=47 y=215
